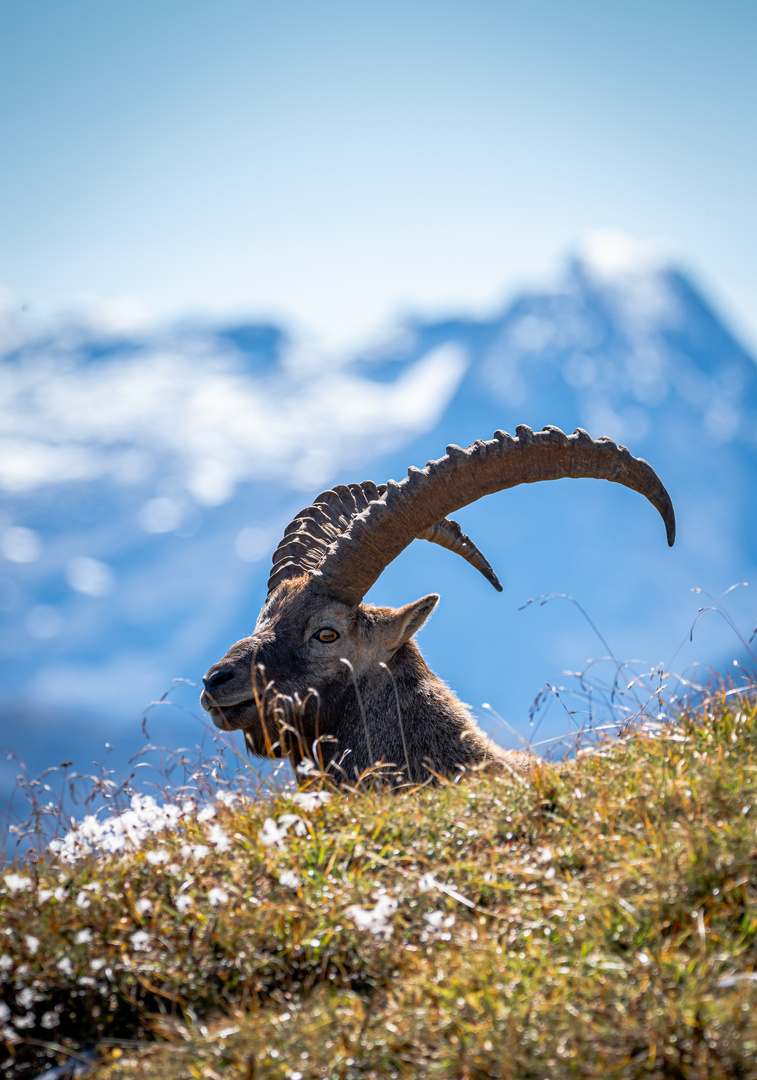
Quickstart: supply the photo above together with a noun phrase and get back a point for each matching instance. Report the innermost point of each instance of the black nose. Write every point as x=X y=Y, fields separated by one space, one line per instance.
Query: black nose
x=218 y=676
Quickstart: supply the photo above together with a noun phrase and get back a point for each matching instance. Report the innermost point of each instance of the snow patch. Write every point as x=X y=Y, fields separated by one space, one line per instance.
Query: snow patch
x=198 y=416
x=609 y=253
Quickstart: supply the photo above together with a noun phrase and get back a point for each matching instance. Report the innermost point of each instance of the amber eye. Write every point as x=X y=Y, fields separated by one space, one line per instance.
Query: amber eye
x=326 y=635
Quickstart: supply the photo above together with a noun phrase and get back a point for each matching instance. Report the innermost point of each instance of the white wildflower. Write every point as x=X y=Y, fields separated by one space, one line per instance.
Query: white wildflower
x=217 y=896
x=183 y=903
x=272 y=834
x=194 y=851
x=376 y=919
x=16 y=883
x=96 y=963
x=82 y=899
x=6 y=963
x=143 y=906
x=26 y=998
x=427 y=882
x=117 y=833
x=83 y=937
x=226 y=798
x=311 y=800
x=288 y=821
x=207 y=813
x=65 y=966
x=32 y=943
x=50 y=1019
x=306 y=766
x=43 y=895
x=23 y=1022
x=544 y=854
x=141 y=941
x=160 y=855
x=289 y=879
x=218 y=838
x=437 y=921
x=4 y=1013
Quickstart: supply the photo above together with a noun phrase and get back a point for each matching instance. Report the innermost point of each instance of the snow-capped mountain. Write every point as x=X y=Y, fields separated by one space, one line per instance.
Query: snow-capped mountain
x=147 y=474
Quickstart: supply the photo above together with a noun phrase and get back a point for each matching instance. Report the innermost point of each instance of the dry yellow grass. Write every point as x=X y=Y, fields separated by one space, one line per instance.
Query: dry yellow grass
x=599 y=920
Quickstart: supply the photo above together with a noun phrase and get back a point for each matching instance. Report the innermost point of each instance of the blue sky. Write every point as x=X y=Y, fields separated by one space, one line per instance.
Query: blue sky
x=337 y=163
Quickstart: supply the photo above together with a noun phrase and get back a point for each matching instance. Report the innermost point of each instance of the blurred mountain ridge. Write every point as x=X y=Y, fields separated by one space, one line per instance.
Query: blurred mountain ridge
x=146 y=475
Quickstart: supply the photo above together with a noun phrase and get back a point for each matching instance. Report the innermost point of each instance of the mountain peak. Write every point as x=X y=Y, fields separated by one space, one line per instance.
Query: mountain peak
x=608 y=255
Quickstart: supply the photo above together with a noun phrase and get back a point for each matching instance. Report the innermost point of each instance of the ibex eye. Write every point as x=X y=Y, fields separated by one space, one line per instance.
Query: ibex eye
x=326 y=635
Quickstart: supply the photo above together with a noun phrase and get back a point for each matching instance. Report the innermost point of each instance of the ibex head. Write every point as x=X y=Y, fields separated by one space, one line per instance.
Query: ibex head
x=292 y=671
x=322 y=663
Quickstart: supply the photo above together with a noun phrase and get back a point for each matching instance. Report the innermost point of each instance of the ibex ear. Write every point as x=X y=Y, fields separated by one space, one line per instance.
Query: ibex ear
x=406 y=621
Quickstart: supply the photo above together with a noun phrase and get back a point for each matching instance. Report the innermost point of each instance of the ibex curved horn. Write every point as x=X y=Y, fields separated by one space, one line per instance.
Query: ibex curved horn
x=308 y=537
x=351 y=534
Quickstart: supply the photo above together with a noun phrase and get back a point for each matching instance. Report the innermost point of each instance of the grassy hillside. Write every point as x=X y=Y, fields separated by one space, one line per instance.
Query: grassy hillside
x=599 y=920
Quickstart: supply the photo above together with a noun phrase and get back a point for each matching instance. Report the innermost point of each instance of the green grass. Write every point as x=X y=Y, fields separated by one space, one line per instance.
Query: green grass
x=599 y=920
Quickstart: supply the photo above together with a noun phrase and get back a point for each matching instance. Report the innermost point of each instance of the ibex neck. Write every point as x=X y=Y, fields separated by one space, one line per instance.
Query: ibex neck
x=402 y=715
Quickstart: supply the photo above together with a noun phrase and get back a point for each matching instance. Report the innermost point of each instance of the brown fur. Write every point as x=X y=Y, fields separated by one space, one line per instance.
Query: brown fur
x=295 y=695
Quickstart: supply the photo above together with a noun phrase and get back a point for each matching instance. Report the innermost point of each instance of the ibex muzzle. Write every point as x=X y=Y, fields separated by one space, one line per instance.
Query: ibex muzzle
x=326 y=677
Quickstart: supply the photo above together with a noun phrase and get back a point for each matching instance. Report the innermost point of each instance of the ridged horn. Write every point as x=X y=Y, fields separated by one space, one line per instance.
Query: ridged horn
x=377 y=535
x=309 y=535
x=449 y=535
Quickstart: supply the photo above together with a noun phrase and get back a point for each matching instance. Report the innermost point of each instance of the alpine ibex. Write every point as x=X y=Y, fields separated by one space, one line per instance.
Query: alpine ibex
x=328 y=678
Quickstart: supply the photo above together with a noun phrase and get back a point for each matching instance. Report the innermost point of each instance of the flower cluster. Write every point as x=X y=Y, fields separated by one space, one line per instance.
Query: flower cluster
x=376 y=920
x=310 y=800
x=273 y=833
x=122 y=832
x=126 y=832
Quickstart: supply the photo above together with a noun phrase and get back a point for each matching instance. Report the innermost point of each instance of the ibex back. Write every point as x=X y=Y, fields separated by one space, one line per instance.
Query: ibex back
x=327 y=678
